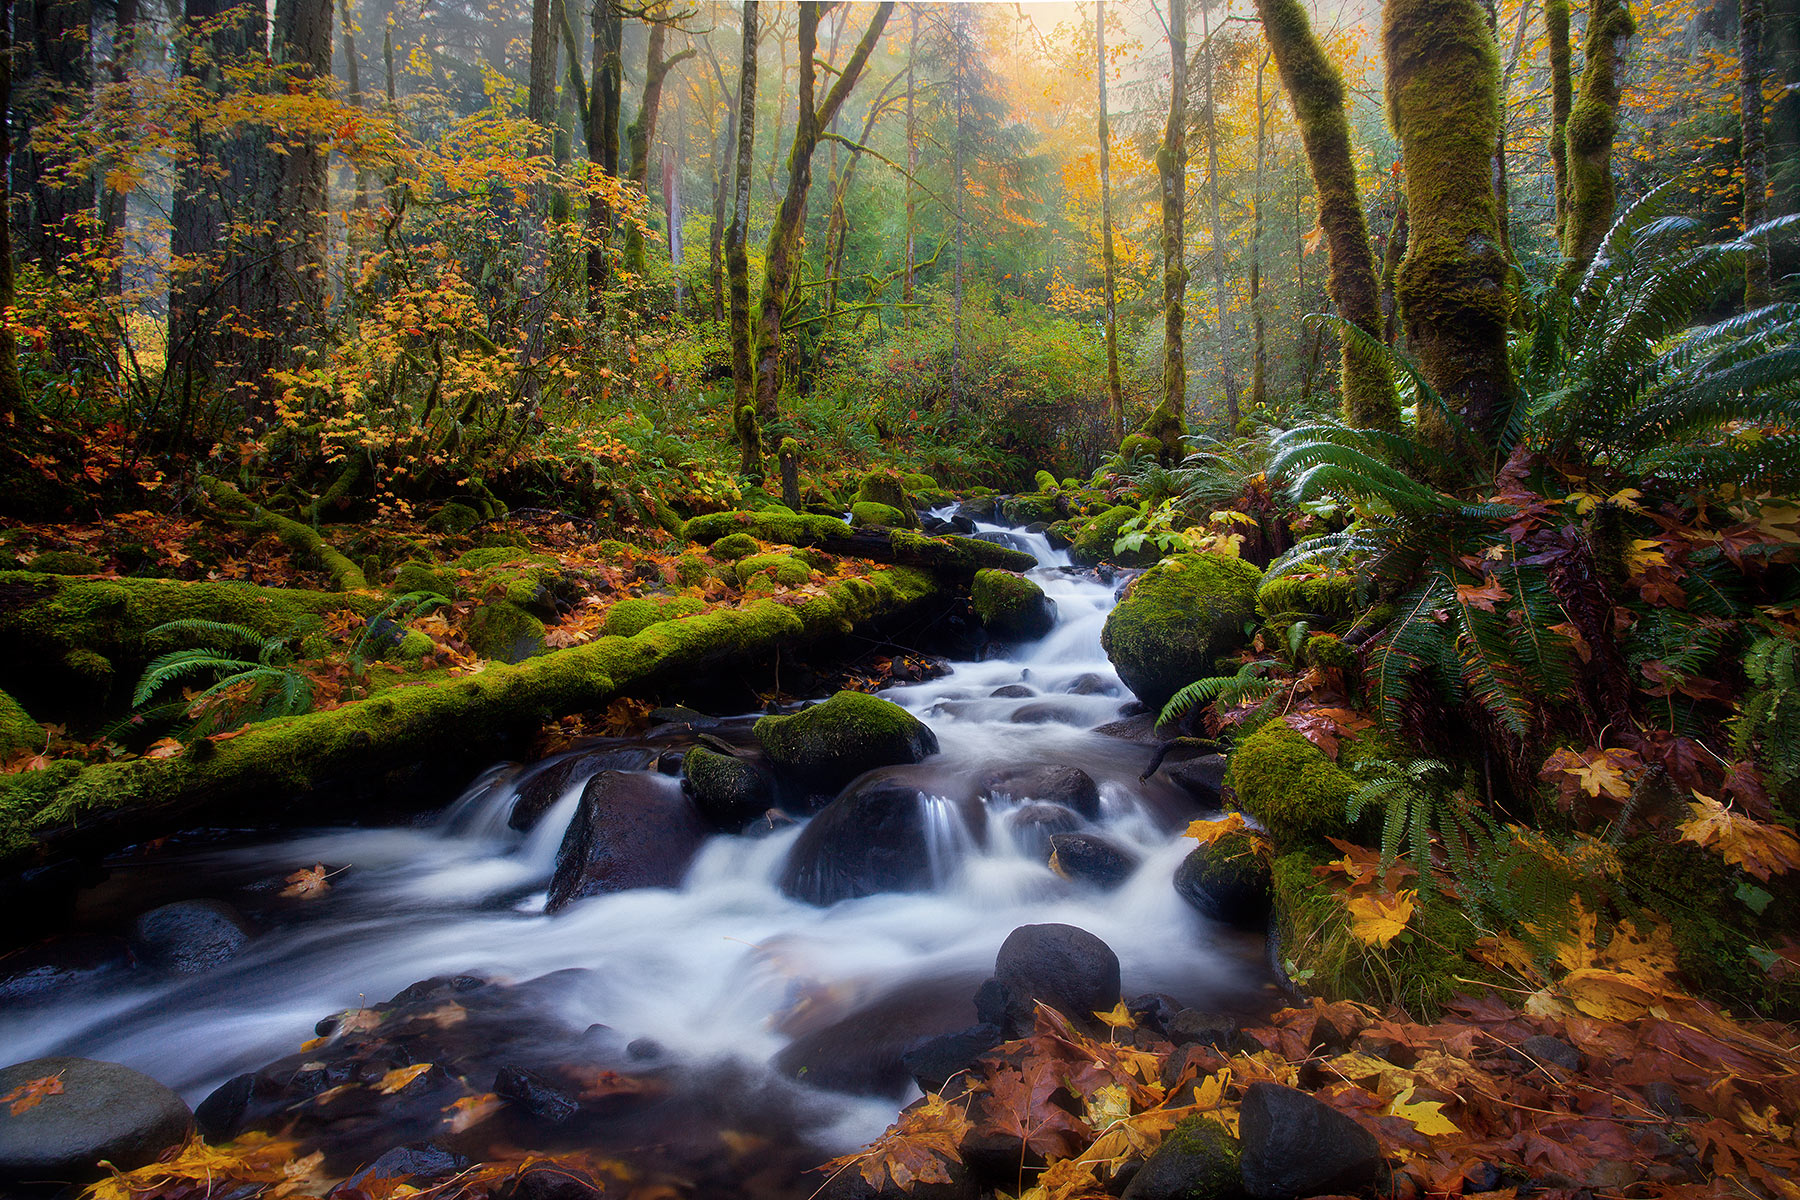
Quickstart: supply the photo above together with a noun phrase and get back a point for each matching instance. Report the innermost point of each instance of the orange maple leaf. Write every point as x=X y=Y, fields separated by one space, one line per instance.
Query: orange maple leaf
x=1761 y=849
x=31 y=1093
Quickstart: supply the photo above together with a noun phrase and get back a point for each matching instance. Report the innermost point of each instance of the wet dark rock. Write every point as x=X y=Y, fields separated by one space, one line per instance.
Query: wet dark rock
x=1067 y=968
x=1226 y=881
x=534 y=1096
x=1153 y=1011
x=933 y=1063
x=1091 y=684
x=1070 y=787
x=1033 y=825
x=550 y=1183
x=1013 y=691
x=1047 y=712
x=990 y=1002
x=864 y=1051
x=1665 y=1099
x=819 y=749
x=1198 y=1160
x=419 y=1165
x=631 y=831
x=104 y=1111
x=543 y=785
x=1137 y=727
x=680 y=714
x=729 y=790
x=220 y=1116
x=644 y=1049
x=1295 y=1145
x=1198 y=1027
x=869 y=840
x=1090 y=858
x=1199 y=777
x=190 y=936
x=37 y=972
x=1544 y=1050
x=1003 y=537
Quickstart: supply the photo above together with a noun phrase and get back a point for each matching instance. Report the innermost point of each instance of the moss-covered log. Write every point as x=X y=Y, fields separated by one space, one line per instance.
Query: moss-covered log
x=1443 y=93
x=958 y=556
x=1316 y=90
x=1592 y=122
x=72 y=808
x=18 y=731
x=345 y=575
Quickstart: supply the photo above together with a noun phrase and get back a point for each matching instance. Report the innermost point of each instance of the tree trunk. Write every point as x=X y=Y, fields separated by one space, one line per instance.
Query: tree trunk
x=1443 y=84
x=1218 y=232
x=603 y=147
x=1168 y=420
x=743 y=407
x=1390 y=270
x=1592 y=121
x=837 y=232
x=12 y=389
x=51 y=76
x=1556 y=27
x=781 y=263
x=722 y=194
x=1259 y=360
x=1755 y=153
x=1316 y=91
x=959 y=24
x=912 y=169
x=642 y=133
x=540 y=112
x=115 y=206
x=1109 y=259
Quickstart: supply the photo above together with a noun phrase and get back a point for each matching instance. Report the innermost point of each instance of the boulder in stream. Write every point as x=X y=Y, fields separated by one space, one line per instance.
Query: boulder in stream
x=1177 y=619
x=1048 y=783
x=1227 y=881
x=190 y=936
x=631 y=831
x=1090 y=858
x=1012 y=606
x=730 y=790
x=1067 y=968
x=85 y=1111
x=546 y=783
x=1033 y=825
x=820 y=749
x=874 y=838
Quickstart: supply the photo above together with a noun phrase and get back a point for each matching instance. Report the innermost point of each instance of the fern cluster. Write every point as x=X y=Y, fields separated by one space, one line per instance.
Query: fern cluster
x=1768 y=722
x=256 y=671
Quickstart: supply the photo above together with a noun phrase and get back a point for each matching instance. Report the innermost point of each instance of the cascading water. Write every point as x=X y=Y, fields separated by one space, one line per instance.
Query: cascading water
x=719 y=968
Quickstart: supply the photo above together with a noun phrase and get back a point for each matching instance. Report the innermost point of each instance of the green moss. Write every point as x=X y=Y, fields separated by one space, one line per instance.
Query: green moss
x=1329 y=599
x=629 y=617
x=454 y=518
x=1094 y=543
x=66 y=562
x=486 y=558
x=17 y=730
x=868 y=512
x=920 y=483
x=691 y=570
x=412 y=646
x=881 y=487
x=1588 y=139
x=614 y=550
x=786 y=569
x=802 y=530
x=1329 y=652
x=421 y=577
x=829 y=744
x=1289 y=785
x=958 y=555
x=1177 y=619
x=1044 y=481
x=1030 y=508
x=503 y=631
x=1208 y=1158
x=1011 y=606
x=735 y=546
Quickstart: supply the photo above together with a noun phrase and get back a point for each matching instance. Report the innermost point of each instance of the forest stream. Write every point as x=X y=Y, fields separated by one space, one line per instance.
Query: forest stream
x=674 y=1018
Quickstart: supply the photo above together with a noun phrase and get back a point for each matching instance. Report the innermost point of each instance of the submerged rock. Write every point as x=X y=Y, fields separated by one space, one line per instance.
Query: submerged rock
x=190 y=936
x=1177 y=619
x=1033 y=825
x=1070 y=787
x=90 y=1111
x=820 y=749
x=1089 y=858
x=631 y=831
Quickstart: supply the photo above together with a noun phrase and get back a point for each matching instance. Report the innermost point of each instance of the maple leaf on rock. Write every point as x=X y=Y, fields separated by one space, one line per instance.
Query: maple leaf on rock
x=31 y=1093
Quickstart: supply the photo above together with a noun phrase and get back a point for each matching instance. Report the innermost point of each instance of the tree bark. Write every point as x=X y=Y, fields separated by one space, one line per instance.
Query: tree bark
x=784 y=236
x=1556 y=27
x=959 y=26
x=1443 y=88
x=912 y=169
x=743 y=407
x=1592 y=122
x=1755 y=151
x=1316 y=91
x=722 y=193
x=51 y=75
x=641 y=134
x=115 y=206
x=1259 y=359
x=12 y=389
x=1109 y=259
x=603 y=147
x=302 y=47
x=1218 y=231
x=1168 y=420
x=540 y=112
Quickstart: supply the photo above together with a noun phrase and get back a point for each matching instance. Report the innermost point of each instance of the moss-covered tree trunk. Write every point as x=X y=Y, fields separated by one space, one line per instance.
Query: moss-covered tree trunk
x=1592 y=122
x=1259 y=352
x=1755 y=152
x=723 y=152
x=1391 y=256
x=1115 y=393
x=781 y=265
x=641 y=133
x=1210 y=118
x=1168 y=420
x=737 y=262
x=1556 y=28
x=1316 y=91
x=1443 y=93
x=603 y=147
x=12 y=389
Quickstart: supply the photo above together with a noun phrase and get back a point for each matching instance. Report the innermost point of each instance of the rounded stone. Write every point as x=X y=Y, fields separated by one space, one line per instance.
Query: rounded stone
x=99 y=1110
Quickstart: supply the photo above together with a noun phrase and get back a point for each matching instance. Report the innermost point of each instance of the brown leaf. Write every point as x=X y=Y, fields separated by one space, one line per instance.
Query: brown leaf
x=307 y=883
x=31 y=1093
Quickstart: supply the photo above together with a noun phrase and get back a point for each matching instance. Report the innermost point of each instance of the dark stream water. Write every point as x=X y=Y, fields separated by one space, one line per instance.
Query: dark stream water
x=721 y=974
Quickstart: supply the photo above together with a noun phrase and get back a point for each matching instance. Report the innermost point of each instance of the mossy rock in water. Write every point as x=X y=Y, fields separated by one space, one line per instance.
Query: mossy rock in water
x=691 y=570
x=630 y=617
x=1289 y=785
x=735 y=546
x=1138 y=446
x=1094 y=543
x=17 y=730
x=1327 y=599
x=415 y=576
x=1178 y=618
x=502 y=631
x=868 y=512
x=729 y=791
x=1227 y=880
x=786 y=569
x=820 y=749
x=66 y=562
x=1028 y=508
x=1012 y=606
x=881 y=487
x=805 y=529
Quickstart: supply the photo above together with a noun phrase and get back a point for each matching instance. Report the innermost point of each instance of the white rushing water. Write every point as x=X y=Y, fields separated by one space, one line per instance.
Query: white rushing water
x=710 y=970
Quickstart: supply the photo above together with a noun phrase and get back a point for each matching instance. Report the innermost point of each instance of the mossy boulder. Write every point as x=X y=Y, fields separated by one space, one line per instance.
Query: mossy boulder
x=502 y=631
x=630 y=617
x=412 y=646
x=486 y=558
x=804 y=529
x=1012 y=606
x=1177 y=619
x=1289 y=785
x=416 y=576
x=1324 y=600
x=728 y=790
x=955 y=554
x=1044 y=481
x=820 y=749
x=1138 y=446
x=1329 y=651
x=1227 y=880
x=734 y=546
x=1094 y=543
x=454 y=518
x=868 y=512
x=881 y=487
x=17 y=730
x=1028 y=508
x=785 y=569
x=691 y=570
x=1198 y=1160
x=66 y=562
